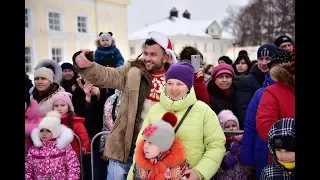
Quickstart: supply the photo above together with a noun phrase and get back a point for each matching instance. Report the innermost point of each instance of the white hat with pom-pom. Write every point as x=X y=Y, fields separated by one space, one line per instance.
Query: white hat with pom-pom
x=52 y=122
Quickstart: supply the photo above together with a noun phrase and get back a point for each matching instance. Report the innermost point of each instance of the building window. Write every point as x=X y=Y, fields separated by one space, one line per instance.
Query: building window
x=27 y=59
x=213 y=47
x=82 y=24
x=132 y=50
x=212 y=31
x=205 y=48
x=54 y=21
x=26 y=18
x=172 y=44
x=57 y=54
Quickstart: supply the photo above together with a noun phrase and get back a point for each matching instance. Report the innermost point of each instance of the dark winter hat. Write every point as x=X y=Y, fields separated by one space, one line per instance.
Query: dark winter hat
x=161 y=133
x=285 y=142
x=280 y=57
x=182 y=71
x=267 y=50
x=282 y=39
x=226 y=59
x=67 y=66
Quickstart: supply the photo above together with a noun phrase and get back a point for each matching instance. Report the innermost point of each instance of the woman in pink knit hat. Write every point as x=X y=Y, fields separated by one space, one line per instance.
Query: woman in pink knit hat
x=221 y=88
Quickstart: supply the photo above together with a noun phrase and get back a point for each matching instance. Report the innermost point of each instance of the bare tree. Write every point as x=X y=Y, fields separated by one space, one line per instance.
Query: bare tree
x=260 y=21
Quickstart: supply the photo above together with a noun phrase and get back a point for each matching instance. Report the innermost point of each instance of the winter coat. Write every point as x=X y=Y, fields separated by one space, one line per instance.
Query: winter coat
x=246 y=87
x=54 y=160
x=32 y=119
x=171 y=166
x=200 y=132
x=78 y=129
x=254 y=150
x=276 y=171
x=230 y=166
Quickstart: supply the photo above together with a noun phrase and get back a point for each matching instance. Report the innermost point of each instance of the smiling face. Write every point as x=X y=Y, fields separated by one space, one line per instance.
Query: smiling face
x=154 y=57
x=176 y=89
x=41 y=83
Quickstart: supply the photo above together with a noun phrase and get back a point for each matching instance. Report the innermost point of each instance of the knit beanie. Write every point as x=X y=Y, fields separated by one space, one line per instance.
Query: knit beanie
x=282 y=39
x=67 y=66
x=182 y=71
x=64 y=96
x=44 y=72
x=161 y=133
x=267 y=50
x=222 y=68
x=226 y=115
x=280 y=57
x=105 y=35
x=52 y=122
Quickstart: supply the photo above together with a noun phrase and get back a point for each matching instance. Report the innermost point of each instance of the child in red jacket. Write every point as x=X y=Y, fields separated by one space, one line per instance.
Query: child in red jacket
x=62 y=103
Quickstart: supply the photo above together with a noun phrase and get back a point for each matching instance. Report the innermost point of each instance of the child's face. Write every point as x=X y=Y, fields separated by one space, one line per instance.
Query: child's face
x=150 y=150
x=105 y=42
x=285 y=155
x=230 y=125
x=61 y=107
x=45 y=135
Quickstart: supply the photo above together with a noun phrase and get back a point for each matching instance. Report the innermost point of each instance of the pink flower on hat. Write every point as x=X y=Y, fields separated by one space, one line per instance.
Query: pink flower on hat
x=148 y=131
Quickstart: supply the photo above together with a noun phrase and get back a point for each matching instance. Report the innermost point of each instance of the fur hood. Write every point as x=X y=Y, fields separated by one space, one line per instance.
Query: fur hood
x=57 y=78
x=281 y=73
x=64 y=139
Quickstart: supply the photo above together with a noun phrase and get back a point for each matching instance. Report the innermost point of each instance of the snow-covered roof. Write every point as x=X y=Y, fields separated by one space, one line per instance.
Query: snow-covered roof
x=177 y=26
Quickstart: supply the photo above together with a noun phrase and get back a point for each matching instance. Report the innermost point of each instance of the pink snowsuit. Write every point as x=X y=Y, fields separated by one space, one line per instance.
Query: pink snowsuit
x=54 y=160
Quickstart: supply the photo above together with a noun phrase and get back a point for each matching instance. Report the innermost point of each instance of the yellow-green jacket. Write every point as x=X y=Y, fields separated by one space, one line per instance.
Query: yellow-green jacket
x=200 y=132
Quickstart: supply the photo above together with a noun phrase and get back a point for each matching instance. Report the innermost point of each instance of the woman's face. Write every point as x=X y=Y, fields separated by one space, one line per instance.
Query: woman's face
x=223 y=81
x=242 y=67
x=176 y=89
x=41 y=83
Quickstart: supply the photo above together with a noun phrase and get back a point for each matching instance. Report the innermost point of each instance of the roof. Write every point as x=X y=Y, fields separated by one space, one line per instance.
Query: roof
x=177 y=26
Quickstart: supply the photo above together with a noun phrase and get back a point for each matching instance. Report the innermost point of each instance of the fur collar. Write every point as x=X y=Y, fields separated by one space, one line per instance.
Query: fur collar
x=64 y=139
x=175 y=158
x=281 y=73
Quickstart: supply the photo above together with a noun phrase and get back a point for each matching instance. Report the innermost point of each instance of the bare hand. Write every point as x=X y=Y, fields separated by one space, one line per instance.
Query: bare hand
x=191 y=174
x=200 y=73
x=95 y=91
x=82 y=61
x=87 y=89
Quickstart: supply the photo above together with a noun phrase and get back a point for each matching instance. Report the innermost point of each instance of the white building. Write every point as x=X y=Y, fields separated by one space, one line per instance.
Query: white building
x=206 y=35
x=252 y=52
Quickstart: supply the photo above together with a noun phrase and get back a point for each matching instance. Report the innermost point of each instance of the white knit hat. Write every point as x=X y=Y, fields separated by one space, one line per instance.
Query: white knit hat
x=44 y=73
x=164 y=42
x=52 y=122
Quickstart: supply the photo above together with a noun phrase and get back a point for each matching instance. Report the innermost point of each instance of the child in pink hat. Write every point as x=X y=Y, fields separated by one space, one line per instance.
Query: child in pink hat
x=230 y=167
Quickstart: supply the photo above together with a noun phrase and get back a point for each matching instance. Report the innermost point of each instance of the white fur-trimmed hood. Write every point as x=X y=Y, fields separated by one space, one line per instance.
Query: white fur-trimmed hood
x=57 y=77
x=65 y=138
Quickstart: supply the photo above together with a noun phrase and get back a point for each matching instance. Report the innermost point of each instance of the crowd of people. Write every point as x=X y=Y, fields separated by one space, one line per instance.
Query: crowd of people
x=163 y=118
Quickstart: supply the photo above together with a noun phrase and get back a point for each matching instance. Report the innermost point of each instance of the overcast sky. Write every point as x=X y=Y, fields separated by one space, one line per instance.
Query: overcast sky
x=142 y=12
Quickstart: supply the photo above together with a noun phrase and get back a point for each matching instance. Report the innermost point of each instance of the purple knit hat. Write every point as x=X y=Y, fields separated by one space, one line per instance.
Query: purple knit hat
x=182 y=71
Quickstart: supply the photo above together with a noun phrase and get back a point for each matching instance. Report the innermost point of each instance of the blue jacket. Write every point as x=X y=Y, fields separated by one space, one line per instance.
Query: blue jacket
x=254 y=151
x=110 y=52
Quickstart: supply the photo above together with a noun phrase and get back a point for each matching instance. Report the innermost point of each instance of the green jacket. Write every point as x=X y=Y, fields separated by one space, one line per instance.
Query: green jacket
x=200 y=133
